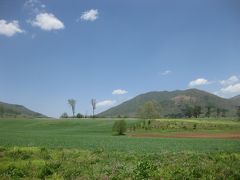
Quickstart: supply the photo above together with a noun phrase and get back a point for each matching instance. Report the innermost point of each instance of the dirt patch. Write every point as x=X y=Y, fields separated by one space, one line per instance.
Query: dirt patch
x=191 y=135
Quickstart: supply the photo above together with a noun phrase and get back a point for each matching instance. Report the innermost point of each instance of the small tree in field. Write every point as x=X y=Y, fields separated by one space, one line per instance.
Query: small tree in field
x=150 y=110
x=79 y=115
x=119 y=127
x=64 y=115
x=93 y=103
x=72 y=103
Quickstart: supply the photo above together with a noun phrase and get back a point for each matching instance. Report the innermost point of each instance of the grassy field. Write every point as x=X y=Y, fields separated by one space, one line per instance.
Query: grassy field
x=86 y=148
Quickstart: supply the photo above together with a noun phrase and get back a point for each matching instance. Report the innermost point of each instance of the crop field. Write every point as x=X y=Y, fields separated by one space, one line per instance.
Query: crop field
x=87 y=149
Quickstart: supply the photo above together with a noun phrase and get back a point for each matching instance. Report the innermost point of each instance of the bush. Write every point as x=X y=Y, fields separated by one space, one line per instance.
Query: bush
x=145 y=170
x=119 y=127
x=79 y=115
x=64 y=115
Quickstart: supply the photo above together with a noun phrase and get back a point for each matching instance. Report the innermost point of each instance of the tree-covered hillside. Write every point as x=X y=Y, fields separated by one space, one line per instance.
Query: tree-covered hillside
x=174 y=103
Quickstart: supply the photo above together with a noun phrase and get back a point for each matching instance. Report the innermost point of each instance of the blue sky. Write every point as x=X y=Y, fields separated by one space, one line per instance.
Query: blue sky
x=51 y=51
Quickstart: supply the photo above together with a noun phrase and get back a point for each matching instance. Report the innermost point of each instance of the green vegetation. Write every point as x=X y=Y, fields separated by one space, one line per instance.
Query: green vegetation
x=119 y=127
x=44 y=163
x=150 y=110
x=176 y=104
x=164 y=126
x=91 y=134
x=86 y=149
x=17 y=111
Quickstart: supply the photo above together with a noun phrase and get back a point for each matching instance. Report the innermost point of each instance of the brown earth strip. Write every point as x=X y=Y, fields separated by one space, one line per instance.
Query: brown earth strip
x=191 y=135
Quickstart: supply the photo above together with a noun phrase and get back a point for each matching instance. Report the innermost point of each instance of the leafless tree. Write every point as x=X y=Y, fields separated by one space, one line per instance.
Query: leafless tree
x=93 y=103
x=72 y=103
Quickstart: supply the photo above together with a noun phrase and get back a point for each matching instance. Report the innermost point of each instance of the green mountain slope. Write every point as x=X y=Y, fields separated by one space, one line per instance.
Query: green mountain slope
x=172 y=103
x=14 y=110
x=236 y=100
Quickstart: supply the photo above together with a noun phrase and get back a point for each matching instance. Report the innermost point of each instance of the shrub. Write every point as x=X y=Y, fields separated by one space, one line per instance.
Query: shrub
x=64 y=115
x=79 y=115
x=19 y=154
x=145 y=170
x=119 y=127
x=15 y=172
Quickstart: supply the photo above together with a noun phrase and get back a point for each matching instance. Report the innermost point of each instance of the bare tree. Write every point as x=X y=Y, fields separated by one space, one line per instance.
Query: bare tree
x=93 y=103
x=72 y=103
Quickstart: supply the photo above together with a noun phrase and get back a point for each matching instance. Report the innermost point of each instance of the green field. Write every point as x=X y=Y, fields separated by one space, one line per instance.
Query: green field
x=69 y=149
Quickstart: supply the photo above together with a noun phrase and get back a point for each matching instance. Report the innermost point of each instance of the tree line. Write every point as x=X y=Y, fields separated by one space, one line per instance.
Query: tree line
x=152 y=110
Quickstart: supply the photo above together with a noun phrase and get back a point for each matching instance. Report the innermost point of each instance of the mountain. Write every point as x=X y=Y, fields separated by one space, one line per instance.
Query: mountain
x=14 y=110
x=236 y=100
x=173 y=102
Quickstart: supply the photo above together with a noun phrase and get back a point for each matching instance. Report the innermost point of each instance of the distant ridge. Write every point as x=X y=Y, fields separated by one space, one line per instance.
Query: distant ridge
x=172 y=101
x=15 y=110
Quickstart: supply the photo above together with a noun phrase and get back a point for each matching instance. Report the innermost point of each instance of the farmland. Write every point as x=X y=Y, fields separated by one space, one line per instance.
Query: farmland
x=86 y=148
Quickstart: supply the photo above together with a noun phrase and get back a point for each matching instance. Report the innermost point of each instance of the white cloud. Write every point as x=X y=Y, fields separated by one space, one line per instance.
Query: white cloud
x=47 y=22
x=9 y=28
x=230 y=81
x=119 y=92
x=199 y=82
x=90 y=15
x=106 y=103
x=231 y=89
x=166 y=72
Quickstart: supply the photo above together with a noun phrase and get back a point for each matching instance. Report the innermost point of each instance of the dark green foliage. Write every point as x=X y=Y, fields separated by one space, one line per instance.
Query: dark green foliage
x=187 y=111
x=48 y=169
x=19 y=154
x=150 y=110
x=79 y=115
x=64 y=115
x=197 y=110
x=208 y=113
x=119 y=127
x=13 y=171
x=145 y=170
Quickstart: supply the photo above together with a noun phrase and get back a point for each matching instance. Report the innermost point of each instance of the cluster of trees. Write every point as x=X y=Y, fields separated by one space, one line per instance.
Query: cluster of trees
x=152 y=110
x=119 y=127
x=72 y=104
x=196 y=111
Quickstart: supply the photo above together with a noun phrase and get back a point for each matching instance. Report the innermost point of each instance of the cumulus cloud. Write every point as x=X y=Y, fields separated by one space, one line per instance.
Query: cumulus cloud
x=106 y=103
x=167 y=72
x=119 y=92
x=90 y=15
x=199 y=82
x=230 y=81
x=9 y=28
x=47 y=22
x=231 y=89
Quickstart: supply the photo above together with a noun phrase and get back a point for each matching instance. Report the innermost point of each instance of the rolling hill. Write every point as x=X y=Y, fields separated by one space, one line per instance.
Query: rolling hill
x=172 y=103
x=14 y=110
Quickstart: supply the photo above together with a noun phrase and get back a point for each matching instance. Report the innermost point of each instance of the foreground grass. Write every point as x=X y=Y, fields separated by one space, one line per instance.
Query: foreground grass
x=96 y=134
x=42 y=163
x=86 y=149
